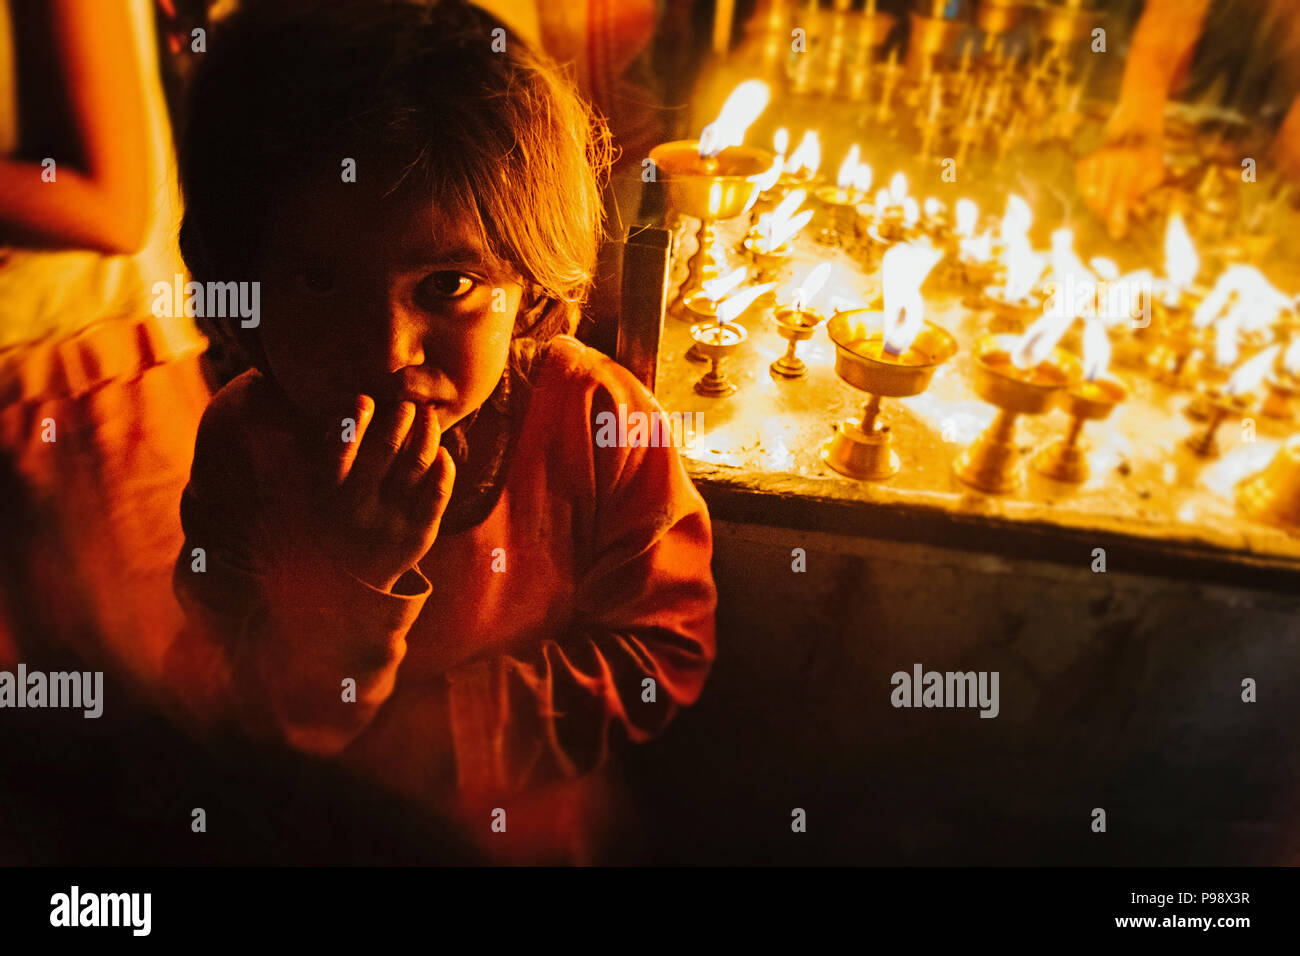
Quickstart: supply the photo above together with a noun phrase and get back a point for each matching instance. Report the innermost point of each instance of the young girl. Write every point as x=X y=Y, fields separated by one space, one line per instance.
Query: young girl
x=404 y=547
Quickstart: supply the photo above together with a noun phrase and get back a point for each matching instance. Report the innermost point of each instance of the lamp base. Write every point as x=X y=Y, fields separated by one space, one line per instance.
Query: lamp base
x=991 y=464
x=1063 y=461
x=862 y=455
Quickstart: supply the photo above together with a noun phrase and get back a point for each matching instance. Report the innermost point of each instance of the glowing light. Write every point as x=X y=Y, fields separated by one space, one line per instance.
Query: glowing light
x=903 y=269
x=966 y=217
x=1017 y=218
x=1104 y=268
x=911 y=211
x=932 y=208
x=781 y=142
x=848 y=168
x=1181 y=261
x=715 y=289
x=1096 y=350
x=807 y=155
x=737 y=304
x=812 y=284
x=897 y=188
x=1039 y=340
x=784 y=223
x=1023 y=267
x=769 y=178
x=1251 y=372
x=739 y=112
x=1248 y=287
x=1291 y=358
x=862 y=178
x=1225 y=338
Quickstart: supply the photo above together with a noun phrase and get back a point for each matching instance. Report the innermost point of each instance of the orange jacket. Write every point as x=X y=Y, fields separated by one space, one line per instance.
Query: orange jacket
x=583 y=602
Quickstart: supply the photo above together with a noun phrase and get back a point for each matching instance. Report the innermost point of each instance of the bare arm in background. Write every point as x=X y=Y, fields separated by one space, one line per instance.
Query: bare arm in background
x=101 y=201
x=1131 y=162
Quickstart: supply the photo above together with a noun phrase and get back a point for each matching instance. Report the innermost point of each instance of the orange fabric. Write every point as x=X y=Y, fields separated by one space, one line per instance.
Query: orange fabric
x=497 y=675
x=93 y=525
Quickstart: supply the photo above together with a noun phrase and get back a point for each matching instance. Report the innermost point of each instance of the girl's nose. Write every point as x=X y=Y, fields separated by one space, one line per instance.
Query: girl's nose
x=405 y=333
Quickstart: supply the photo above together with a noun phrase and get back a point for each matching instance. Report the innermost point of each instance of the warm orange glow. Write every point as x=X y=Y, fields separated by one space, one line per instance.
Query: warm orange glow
x=1039 y=340
x=1291 y=358
x=807 y=155
x=811 y=285
x=1181 y=261
x=1251 y=372
x=903 y=269
x=715 y=289
x=739 y=112
x=848 y=168
x=1096 y=350
x=897 y=189
x=737 y=304
x=783 y=223
x=862 y=178
x=781 y=142
x=967 y=216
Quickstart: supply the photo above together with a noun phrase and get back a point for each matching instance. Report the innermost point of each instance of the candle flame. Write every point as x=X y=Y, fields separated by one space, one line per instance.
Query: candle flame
x=1039 y=339
x=1023 y=267
x=1074 y=281
x=1245 y=286
x=1251 y=372
x=784 y=223
x=1096 y=350
x=1017 y=218
x=882 y=200
x=811 y=285
x=847 y=168
x=897 y=188
x=966 y=217
x=903 y=269
x=769 y=178
x=737 y=304
x=739 y=112
x=911 y=211
x=1225 y=337
x=781 y=142
x=807 y=155
x=1291 y=358
x=1104 y=268
x=715 y=289
x=932 y=207
x=1181 y=261
x=862 y=178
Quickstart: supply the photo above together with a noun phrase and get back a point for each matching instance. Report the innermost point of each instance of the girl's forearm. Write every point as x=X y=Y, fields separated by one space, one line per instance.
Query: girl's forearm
x=1162 y=43
x=71 y=211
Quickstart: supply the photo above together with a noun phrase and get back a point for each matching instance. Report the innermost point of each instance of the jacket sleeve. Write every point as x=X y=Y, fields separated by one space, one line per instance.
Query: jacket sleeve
x=642 y=641
x=274 y=631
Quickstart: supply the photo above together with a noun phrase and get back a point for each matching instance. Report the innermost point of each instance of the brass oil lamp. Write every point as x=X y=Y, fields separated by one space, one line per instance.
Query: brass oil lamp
x=889 y=354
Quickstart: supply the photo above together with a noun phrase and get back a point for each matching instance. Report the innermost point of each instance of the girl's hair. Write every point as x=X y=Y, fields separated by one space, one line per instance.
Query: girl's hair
x=491 y=130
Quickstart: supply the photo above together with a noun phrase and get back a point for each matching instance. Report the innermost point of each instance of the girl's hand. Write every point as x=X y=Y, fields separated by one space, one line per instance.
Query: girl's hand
x=390 y=486
x=1116 y=177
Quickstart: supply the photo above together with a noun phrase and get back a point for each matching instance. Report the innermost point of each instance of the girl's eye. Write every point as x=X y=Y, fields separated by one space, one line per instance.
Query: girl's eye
x=315 y=280
x=446 y=285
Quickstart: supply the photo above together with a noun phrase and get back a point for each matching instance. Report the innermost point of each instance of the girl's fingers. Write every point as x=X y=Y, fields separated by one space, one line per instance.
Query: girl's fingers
x=346 y=438
x=434 y=491
x=384 y=440
x=420 y=452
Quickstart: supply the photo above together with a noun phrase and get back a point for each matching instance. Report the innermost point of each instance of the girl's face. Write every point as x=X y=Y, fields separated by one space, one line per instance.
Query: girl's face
x=377 y=295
